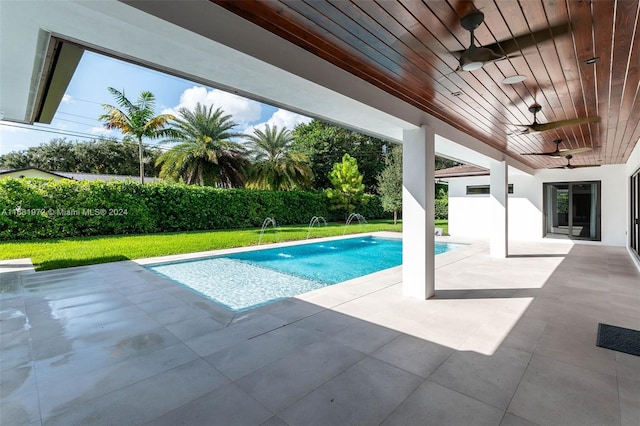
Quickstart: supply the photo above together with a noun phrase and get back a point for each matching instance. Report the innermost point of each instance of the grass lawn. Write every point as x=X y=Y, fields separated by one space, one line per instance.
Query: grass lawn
x=62 y=253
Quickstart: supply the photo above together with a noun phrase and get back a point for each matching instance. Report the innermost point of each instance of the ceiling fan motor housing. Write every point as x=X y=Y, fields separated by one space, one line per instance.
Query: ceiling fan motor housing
x=535 y=108
x=472 y=21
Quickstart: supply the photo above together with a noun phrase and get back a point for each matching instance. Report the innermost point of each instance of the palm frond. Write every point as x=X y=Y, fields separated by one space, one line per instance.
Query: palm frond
x=206 y=153
x=121 y=99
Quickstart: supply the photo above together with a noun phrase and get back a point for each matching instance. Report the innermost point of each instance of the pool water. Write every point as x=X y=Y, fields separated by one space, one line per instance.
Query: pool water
x=245 y=280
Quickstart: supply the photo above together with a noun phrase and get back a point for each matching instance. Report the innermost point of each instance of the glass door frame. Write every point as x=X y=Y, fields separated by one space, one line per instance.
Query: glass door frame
x=634 y=212
x=570 y=185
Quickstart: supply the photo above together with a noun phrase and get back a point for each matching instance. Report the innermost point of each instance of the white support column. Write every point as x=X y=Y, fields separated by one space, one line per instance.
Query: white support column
x=499 y=181
x=418 y=195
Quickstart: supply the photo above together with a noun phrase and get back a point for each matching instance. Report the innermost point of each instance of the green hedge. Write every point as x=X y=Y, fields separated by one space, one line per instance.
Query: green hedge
x=442 y=209
x=43 y=208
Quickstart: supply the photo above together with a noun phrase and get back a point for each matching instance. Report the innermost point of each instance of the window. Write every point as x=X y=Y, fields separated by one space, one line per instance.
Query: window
x=483 y=189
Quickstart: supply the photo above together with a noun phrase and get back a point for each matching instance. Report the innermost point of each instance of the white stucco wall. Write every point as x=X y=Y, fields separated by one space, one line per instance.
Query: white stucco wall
x=469 y=214
x=633 y=163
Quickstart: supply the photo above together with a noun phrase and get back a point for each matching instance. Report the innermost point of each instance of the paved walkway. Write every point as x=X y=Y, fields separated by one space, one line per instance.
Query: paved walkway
x=504 y=342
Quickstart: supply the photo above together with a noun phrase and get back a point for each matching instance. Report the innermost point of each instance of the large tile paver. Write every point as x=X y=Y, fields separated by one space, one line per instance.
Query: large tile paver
x=365 y=394
x=629 y=391
x=553 y=392
x=414 y=355
x=144 y=400
x=21 y=408
x=364 y=336
x=117 y=344
x=575 y=345
x=432 y=404
x=194 y=327
x=513 y=420
x=64 y=389
x=490 y=379
x=281 y=383
x=228 y=406
x=243 y=358
x=218 y=340
x=83 y=361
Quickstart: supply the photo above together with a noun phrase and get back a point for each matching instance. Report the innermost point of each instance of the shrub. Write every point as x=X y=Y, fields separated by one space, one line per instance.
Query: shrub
x=442 y=209
x=46 y=208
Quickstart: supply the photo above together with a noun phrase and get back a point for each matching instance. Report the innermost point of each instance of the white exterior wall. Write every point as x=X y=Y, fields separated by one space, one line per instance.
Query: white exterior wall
x=633 y=163
x=470 y=214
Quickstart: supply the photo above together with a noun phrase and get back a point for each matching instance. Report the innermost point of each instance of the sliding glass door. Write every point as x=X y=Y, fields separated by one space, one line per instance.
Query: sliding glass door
x=635 y=213
x=572 y=209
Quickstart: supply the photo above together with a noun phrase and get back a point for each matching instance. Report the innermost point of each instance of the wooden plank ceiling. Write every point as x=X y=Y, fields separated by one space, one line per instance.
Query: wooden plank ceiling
x=405 y=48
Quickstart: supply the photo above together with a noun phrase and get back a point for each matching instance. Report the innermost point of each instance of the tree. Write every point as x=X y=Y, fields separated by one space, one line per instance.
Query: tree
x=137 y=120
x=57 y=155
x=109 y=156
x=206 y=153
x=348 y=188
x=445 y=163
x=390 y=183
x=275 y=166
x=325 y=144
x=106 y=156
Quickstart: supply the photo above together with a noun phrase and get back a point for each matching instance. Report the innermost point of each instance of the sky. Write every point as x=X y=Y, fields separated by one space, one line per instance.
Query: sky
x=77 y=115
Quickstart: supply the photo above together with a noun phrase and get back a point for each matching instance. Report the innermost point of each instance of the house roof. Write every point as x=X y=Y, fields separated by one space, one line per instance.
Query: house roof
x=92 y=176
x=463 y=170
x=25 y=169
x=80 y=176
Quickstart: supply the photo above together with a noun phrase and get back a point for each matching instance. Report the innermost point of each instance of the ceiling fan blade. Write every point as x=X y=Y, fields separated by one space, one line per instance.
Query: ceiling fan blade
x=570 y=166
x=565 y=152
x=538 y=127
x=525 y=129
x=561 y=153
x=581 y=166
x=524 y=41
x=552 y=153
x=482 y=54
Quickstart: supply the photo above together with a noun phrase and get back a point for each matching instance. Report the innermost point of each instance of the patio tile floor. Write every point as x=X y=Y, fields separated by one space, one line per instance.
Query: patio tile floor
x=503 y=342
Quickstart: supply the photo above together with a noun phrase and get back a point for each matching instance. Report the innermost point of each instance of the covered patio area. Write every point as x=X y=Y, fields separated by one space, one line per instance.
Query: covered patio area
x=504 y=341
x=501 y=332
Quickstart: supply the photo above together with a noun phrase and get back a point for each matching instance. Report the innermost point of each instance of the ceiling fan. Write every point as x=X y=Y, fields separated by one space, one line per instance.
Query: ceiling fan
x=475 y=57
x=571 y=166
x=559 y=153
x=541 y=127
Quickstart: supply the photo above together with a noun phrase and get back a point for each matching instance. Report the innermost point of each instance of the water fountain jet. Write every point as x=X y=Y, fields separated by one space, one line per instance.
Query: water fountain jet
x=315 y=220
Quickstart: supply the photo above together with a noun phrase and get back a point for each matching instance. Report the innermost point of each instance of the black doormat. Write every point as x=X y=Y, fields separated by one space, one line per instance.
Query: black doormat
x=619 y=339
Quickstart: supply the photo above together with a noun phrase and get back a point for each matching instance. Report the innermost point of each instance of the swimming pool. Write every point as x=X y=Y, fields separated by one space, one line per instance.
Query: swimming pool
x=246 y=280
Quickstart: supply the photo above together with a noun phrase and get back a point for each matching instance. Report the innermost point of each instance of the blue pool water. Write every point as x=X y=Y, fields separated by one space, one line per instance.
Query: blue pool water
x=242 y=281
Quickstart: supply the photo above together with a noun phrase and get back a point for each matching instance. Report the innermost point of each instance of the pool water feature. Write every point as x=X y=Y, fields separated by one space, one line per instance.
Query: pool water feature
x=245 y=280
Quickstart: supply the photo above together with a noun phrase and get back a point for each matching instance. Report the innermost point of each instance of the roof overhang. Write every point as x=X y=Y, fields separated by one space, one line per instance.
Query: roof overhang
x=61 y=61
x=464 y=170
x=205 y=43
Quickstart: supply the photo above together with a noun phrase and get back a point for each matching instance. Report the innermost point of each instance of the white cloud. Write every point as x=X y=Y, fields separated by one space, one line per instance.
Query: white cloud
x=98 y=130
x=281 y=118
x=66 y=99
x=243 y=111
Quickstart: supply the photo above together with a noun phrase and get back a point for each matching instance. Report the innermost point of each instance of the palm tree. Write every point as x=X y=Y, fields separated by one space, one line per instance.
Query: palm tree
x=276 y=166
x=136 y=120
x=205 y=153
